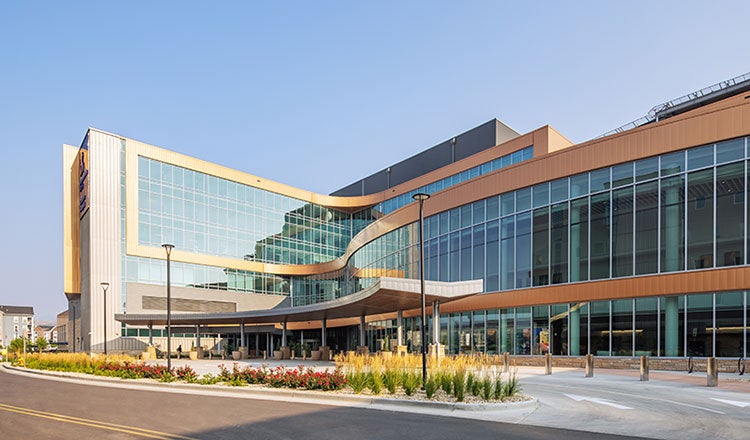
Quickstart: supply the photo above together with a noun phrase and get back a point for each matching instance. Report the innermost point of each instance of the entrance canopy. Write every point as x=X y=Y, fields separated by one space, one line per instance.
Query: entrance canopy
x=386 y=295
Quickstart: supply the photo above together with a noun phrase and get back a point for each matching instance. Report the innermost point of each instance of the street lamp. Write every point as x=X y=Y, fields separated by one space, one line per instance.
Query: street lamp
x=421 y=197
x=105 y=286
x=168 y=248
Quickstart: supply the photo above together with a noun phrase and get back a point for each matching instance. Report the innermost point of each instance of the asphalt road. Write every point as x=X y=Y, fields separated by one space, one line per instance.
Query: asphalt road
x=39 y=408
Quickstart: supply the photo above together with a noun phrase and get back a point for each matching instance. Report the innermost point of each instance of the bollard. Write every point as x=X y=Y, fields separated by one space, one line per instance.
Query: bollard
x=265 y=354
x=712 y=372
x=589 y=365
x=644 y=368
x=506 y=362
x=547 y=363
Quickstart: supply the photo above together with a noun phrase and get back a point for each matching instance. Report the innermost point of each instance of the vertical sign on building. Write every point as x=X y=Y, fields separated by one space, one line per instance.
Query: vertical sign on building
x=83 y=180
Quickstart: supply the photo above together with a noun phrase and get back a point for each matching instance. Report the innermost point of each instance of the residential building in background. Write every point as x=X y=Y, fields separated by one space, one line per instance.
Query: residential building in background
x=633 y=243
x=16 y=322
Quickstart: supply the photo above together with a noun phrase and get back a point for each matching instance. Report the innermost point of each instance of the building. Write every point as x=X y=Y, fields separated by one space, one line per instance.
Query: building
x=632 y=243
x=62 y=330
x=15 y=322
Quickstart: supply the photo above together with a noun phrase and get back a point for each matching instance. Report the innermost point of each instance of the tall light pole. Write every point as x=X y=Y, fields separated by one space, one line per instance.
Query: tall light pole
x=105 y=286
x=168 y=248
x=421 y=197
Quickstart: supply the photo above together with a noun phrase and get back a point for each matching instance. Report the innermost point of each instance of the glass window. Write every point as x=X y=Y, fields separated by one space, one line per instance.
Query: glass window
x=730 y=209
x=523 y=250
x=455 y=215
x=672 y=224
x=622 y=232
x=478 y=253
x=541 y=195
x=699 y=325
x=523 y=330
x=730 y=150
x=622 y=327
x=507 y=326
x=672 y=311
x=647 y=169
x=700 y=219
x=600 y=211
x=579 y=329
x=559 y=190
x=492 y=278
x=599 y=326
x=729 y=329
x=646 y=229
x=672 y=163
x=600 y=180
x=455 y=327
x=646 y=310
x=465 y=254
x=507 y=253
x=559 y=329
x=579 y=185
x=523 y=199
x=466 y=219
x=559 y=243
x=479 y=340
x=700 y=157
x=622 y=174
x=478 y=212
x=540 y=330
x=507 y=203
x=540 y=242
x=493 y=208
x=579 y=243
x=492 y=331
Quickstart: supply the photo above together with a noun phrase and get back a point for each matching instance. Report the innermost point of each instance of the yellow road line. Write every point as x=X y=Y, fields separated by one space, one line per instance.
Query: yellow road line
x=94 y=423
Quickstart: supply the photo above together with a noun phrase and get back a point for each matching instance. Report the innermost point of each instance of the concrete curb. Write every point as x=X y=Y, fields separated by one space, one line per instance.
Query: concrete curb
x=261 y=393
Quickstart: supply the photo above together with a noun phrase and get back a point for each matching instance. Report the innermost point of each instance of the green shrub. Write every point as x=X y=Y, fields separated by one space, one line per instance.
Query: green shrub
x=476 y=387
x=459 y=384
x=358 y=381
x=446 y=383
x=376 y=382
x=432 y=385
x=391 y=380
x=410 y=381
x=486 y=389
x=499 y=391
x=511 y=386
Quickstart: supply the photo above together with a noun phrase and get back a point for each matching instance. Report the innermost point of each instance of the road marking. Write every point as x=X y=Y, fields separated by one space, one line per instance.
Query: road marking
x=732 y=402
x=637 y=396
x=578 y=398
x=93 y=423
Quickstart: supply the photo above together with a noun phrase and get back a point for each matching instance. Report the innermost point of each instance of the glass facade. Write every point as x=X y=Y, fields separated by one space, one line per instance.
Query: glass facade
x=657 y=215
x=214 y=216
x=715 y=326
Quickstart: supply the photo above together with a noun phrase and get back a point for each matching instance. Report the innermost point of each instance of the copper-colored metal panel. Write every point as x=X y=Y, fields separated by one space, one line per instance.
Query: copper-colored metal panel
x=700 y=281
x=71 y=231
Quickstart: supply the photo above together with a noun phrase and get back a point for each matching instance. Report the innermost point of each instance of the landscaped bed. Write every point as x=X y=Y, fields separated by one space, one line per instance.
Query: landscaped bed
x=470 y=379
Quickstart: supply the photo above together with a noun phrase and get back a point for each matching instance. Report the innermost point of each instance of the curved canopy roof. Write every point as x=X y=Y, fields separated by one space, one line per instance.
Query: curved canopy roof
x=386 y=295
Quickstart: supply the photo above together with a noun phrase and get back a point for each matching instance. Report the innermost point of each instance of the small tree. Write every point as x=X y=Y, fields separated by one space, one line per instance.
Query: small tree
x=16 y=345
x=41 y=343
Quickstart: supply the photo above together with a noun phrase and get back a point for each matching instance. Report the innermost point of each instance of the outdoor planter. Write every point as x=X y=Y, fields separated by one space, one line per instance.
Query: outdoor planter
x=277 y=355
x=145 y=356
x=236 y=355
x=193 y=355
x=315 y=355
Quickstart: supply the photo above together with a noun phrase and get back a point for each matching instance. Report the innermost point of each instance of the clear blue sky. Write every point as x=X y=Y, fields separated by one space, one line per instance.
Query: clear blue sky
x=301 y=92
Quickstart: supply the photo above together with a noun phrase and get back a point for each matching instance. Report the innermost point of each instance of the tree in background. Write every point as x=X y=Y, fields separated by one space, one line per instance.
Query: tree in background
x=41 y=343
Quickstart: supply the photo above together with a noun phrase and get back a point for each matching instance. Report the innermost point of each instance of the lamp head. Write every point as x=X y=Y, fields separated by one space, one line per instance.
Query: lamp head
x=420 y=196
x=168 y=247
x=105 y=286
